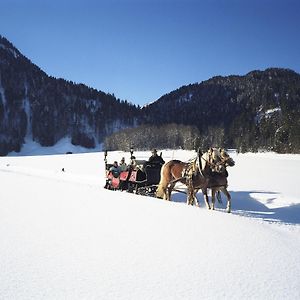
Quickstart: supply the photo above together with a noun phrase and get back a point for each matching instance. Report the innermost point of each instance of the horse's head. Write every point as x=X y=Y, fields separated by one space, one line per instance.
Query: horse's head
x=230 y=162
x=217 y=160
x=226 y=159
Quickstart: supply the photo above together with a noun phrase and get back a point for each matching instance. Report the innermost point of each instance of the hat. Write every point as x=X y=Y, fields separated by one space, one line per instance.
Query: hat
x=154 y=151
x=123 y=159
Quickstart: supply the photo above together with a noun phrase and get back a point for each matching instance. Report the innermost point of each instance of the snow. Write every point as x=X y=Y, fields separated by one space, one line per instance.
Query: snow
x=63 y=236
x=63 y=146
x=185 y=98
x=12 y=51
x=267 y=114
x=272 y=111
x=2 y=97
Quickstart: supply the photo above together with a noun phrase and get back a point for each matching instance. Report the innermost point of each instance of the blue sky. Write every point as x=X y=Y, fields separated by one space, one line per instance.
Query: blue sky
x=142 y=49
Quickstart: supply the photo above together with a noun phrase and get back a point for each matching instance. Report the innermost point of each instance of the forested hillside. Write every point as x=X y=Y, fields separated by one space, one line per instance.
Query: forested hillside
x=260 y=110
x=45 y=109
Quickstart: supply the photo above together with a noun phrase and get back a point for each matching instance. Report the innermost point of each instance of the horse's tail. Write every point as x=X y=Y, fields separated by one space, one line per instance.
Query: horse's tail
x=161 y=188
x=160 y=191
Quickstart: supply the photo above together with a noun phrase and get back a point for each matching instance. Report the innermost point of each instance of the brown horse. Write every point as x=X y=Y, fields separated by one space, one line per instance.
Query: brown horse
x=177 y=171
x=204 y=174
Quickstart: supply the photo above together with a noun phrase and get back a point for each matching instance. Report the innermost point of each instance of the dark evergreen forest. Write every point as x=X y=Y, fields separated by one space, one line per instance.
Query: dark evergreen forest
x=258 y=111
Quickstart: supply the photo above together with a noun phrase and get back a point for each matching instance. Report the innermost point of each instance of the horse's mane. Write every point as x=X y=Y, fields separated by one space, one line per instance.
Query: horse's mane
x=211 y=155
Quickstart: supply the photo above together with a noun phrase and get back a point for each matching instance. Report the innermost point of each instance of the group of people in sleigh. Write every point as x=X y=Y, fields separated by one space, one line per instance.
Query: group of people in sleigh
x=116 y=168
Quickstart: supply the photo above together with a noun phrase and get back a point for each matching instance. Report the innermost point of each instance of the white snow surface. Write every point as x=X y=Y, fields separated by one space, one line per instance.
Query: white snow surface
x=63 y=236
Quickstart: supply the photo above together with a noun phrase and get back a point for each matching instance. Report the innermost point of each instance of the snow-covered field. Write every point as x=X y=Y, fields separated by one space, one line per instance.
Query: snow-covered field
x=63 y=236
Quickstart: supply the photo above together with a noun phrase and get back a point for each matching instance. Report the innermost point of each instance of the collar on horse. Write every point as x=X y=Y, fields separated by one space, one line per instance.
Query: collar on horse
x=212 y=163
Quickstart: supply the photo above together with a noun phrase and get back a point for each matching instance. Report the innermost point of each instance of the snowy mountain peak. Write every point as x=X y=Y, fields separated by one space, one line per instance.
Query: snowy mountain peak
x=8 y=47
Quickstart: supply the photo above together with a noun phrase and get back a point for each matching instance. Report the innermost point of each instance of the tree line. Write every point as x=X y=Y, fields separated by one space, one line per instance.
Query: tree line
x=168 y=136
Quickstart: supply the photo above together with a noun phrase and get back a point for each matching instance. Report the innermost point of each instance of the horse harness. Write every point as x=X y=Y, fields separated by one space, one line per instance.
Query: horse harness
x=194 y=167
x=214 y=165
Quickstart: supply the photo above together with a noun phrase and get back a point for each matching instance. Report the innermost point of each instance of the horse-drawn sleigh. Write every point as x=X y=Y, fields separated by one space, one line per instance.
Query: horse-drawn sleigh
x=139 y=177
x=206 y=171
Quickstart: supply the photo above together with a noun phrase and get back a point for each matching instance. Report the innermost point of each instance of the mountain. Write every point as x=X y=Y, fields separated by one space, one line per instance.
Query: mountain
x=44 y=109
x=258 y=110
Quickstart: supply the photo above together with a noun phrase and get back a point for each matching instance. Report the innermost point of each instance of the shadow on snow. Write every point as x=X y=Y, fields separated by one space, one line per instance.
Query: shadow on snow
x=243 y=204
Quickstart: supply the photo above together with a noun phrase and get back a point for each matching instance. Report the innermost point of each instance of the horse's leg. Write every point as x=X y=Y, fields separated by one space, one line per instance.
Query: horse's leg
x=219 y=198
x=195 y=197
x=228 y=207
x=165 y=191
x=169 y=191
x=206 y=200
x=161 y=191
x=213 y=198
x=190 y=192
x=190 y=196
